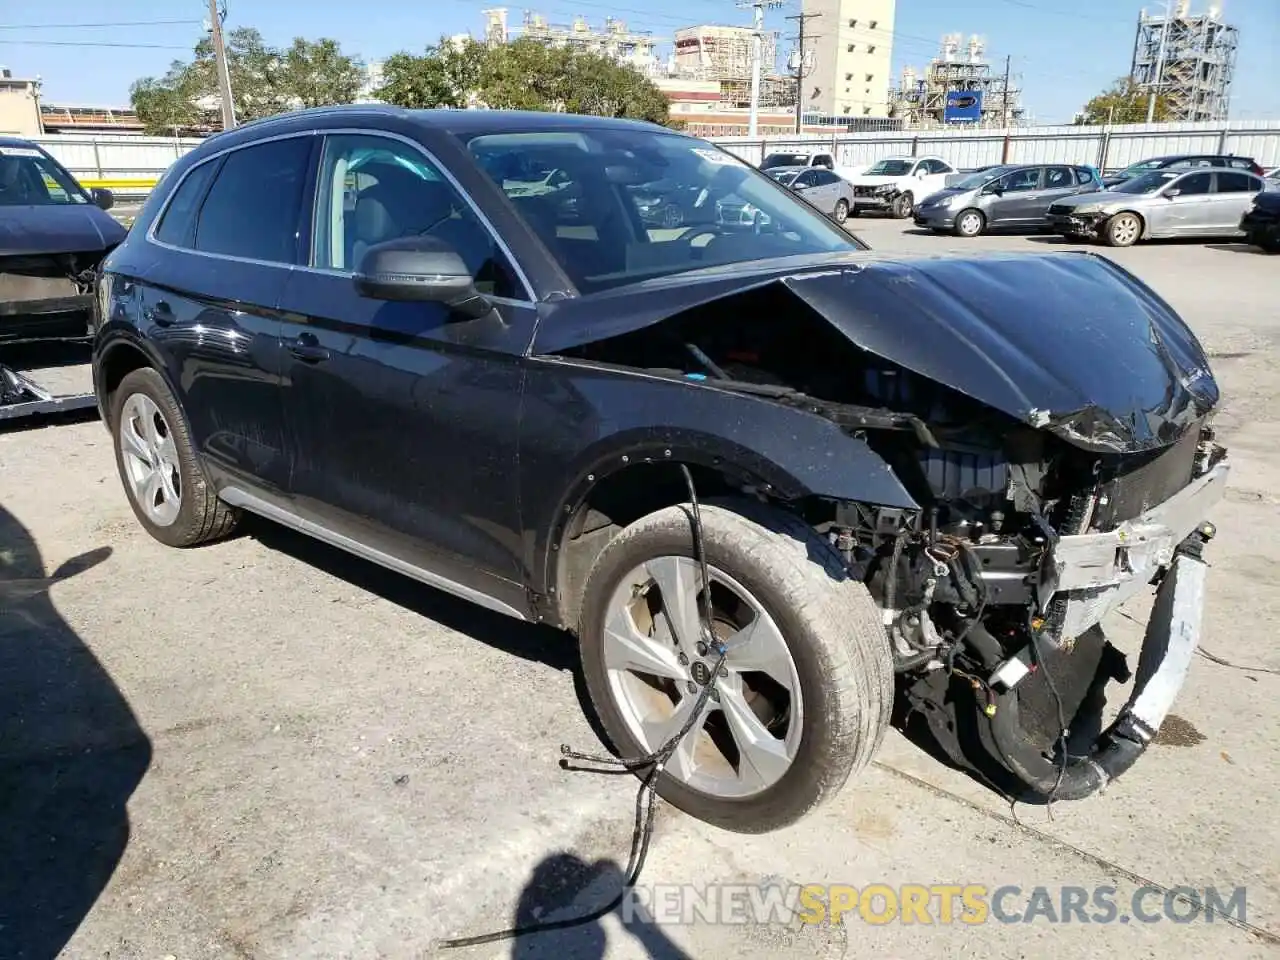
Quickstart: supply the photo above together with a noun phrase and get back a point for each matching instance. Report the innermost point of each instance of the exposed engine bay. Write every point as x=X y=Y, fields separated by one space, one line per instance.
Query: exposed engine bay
x=983 y=616
x=46 y=296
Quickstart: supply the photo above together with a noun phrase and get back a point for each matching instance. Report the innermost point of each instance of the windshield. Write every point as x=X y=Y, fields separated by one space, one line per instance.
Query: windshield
x=602 y=228
x=29 y=178
x=785 y=160
x=891 y=168
x=978 y=178
x=1148 y=182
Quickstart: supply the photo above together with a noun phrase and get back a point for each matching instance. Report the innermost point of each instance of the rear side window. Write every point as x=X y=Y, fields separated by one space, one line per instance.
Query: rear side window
x=252 y=208
x=1084 y=176
x=178 y=225
x=1237 y=183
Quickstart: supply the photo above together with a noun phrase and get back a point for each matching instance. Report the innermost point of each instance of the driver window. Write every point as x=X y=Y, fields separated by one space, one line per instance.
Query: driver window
x=1194 y=185
x=1022 y=180
x=372 y=189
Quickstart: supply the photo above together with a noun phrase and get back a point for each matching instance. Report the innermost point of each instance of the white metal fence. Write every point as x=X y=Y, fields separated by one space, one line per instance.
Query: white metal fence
x=1107 y=148
x=132 y=164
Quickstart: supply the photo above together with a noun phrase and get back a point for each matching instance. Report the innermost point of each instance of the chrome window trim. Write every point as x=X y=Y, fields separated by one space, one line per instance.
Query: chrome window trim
x=150 y=236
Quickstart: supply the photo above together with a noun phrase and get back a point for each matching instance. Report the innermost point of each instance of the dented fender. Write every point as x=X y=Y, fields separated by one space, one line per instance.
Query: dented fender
x=581 y=423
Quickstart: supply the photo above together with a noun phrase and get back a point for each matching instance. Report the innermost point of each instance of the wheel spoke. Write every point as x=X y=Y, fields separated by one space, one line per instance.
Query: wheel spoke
x=135 y=445
x=659 y=731
x=150 y=487
x=679 y=581
x=764 y=759
x=759 y=646
x=625 y=648
x=168 y=450
x=165 y=475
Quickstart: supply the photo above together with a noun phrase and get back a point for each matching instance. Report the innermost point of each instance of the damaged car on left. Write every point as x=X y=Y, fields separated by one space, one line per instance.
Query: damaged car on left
x=769 y=479
x=53 y=236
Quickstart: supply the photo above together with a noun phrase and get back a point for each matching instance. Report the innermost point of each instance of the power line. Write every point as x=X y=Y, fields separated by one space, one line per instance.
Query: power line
x=94 y=26
x=800 y=65
x=93 y=43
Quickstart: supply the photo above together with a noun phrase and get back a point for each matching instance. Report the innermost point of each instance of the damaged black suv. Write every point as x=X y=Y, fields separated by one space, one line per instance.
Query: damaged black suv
x=449 y=342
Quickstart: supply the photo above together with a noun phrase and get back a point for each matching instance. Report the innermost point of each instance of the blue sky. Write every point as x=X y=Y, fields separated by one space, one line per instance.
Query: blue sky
x=1063 y=50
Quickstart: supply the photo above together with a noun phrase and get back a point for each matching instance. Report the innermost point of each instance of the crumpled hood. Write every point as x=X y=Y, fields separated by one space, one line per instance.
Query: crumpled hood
x=1069 y=342
x=60 y=228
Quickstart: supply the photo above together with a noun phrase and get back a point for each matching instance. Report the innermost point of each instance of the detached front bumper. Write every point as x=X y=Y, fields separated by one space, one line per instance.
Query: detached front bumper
x=1100 y=571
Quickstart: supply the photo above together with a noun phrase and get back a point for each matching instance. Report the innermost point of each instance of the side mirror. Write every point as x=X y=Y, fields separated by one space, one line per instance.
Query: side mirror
x=420 y=269
x=103 y=198
x=994 y=188
x=800 y=186
x=1170 y=194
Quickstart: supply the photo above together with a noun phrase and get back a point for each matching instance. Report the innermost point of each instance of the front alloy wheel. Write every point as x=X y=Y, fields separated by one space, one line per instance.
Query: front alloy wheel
x=803 y=697
x=970 y=223
x=1123 y=230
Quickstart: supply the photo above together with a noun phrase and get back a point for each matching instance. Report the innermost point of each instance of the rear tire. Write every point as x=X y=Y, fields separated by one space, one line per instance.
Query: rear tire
x=158 y=466
x=1123 y=230
x=839 y=654
x=842 y=210
x=970 y=223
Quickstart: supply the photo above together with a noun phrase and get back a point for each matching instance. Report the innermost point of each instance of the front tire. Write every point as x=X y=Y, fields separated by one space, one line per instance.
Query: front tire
x=903 y=204
x=970 y=223
x=162 y=477
x=806 y=699
x=1123 y=230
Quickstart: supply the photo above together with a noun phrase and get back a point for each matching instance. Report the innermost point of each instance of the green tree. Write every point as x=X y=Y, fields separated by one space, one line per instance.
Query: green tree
x=264 y=81
x=1123 y=102
x=523 y=75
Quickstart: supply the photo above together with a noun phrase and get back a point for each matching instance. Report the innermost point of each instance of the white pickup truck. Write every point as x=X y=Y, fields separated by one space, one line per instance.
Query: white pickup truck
x=797 y=160
x=896 y=184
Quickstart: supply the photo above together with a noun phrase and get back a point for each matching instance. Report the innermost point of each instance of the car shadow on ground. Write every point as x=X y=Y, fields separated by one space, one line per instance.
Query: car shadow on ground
x=555 y=648
x=71 y=755
x=1240 y=247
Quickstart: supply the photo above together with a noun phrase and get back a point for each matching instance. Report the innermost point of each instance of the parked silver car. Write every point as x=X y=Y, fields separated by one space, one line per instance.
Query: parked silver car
x=823 y=189
x=1163 y=203
x=1011 y=196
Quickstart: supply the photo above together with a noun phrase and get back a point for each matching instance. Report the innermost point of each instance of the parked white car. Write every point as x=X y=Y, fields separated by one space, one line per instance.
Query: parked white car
x=896 y=184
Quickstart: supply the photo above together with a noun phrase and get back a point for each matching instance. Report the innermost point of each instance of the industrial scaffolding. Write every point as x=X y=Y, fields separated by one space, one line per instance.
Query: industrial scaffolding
x=1188 y=60
x=634 y=47
x=922 y=101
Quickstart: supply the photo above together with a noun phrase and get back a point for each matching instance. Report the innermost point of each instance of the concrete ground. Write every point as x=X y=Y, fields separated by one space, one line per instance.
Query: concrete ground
x=264 y=749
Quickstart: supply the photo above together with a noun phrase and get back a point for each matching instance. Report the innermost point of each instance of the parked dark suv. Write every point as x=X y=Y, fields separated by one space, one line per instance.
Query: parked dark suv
x=757 y=469
x=1179 y=161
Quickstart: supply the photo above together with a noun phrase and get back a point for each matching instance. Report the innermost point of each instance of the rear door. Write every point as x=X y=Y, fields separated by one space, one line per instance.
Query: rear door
x=402 y=417
x=1058 y=182
x=226 y=245
x=825 y=191
x=1234 y=191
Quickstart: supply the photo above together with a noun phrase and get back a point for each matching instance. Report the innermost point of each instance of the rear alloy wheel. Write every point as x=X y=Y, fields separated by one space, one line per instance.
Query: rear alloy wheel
x=903 y=204
x=970 y=223
x=842 y=210
x=166 y=487
x=1123 y=230
x=803 y=698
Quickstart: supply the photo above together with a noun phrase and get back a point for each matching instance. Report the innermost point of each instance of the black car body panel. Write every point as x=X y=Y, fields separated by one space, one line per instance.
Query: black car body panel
x=1262 y=223
x=1102 y=361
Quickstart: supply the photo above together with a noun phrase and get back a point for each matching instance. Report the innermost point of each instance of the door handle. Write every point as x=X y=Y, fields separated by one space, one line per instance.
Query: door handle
x=162 y=314
x=307 y=349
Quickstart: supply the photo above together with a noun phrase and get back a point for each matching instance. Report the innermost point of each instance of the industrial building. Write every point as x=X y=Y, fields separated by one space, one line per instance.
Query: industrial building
x=848 y=49
x=718 y=52
x=960 y=86
x=1188 y=59
x=636 y=48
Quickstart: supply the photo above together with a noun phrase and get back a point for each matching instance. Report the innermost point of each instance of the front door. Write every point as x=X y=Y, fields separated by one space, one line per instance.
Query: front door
x=1191 y=212
x=1017 y=202
x=403 y=416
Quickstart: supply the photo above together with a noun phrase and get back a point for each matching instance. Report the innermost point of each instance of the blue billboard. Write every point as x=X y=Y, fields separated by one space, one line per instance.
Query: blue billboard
x=963 y=106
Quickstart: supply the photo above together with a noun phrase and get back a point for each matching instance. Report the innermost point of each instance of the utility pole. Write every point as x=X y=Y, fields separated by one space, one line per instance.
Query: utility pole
x=800 y=65
x=220 y=62
x=757 y=42
x=1155 y=81
x=1005 y=111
